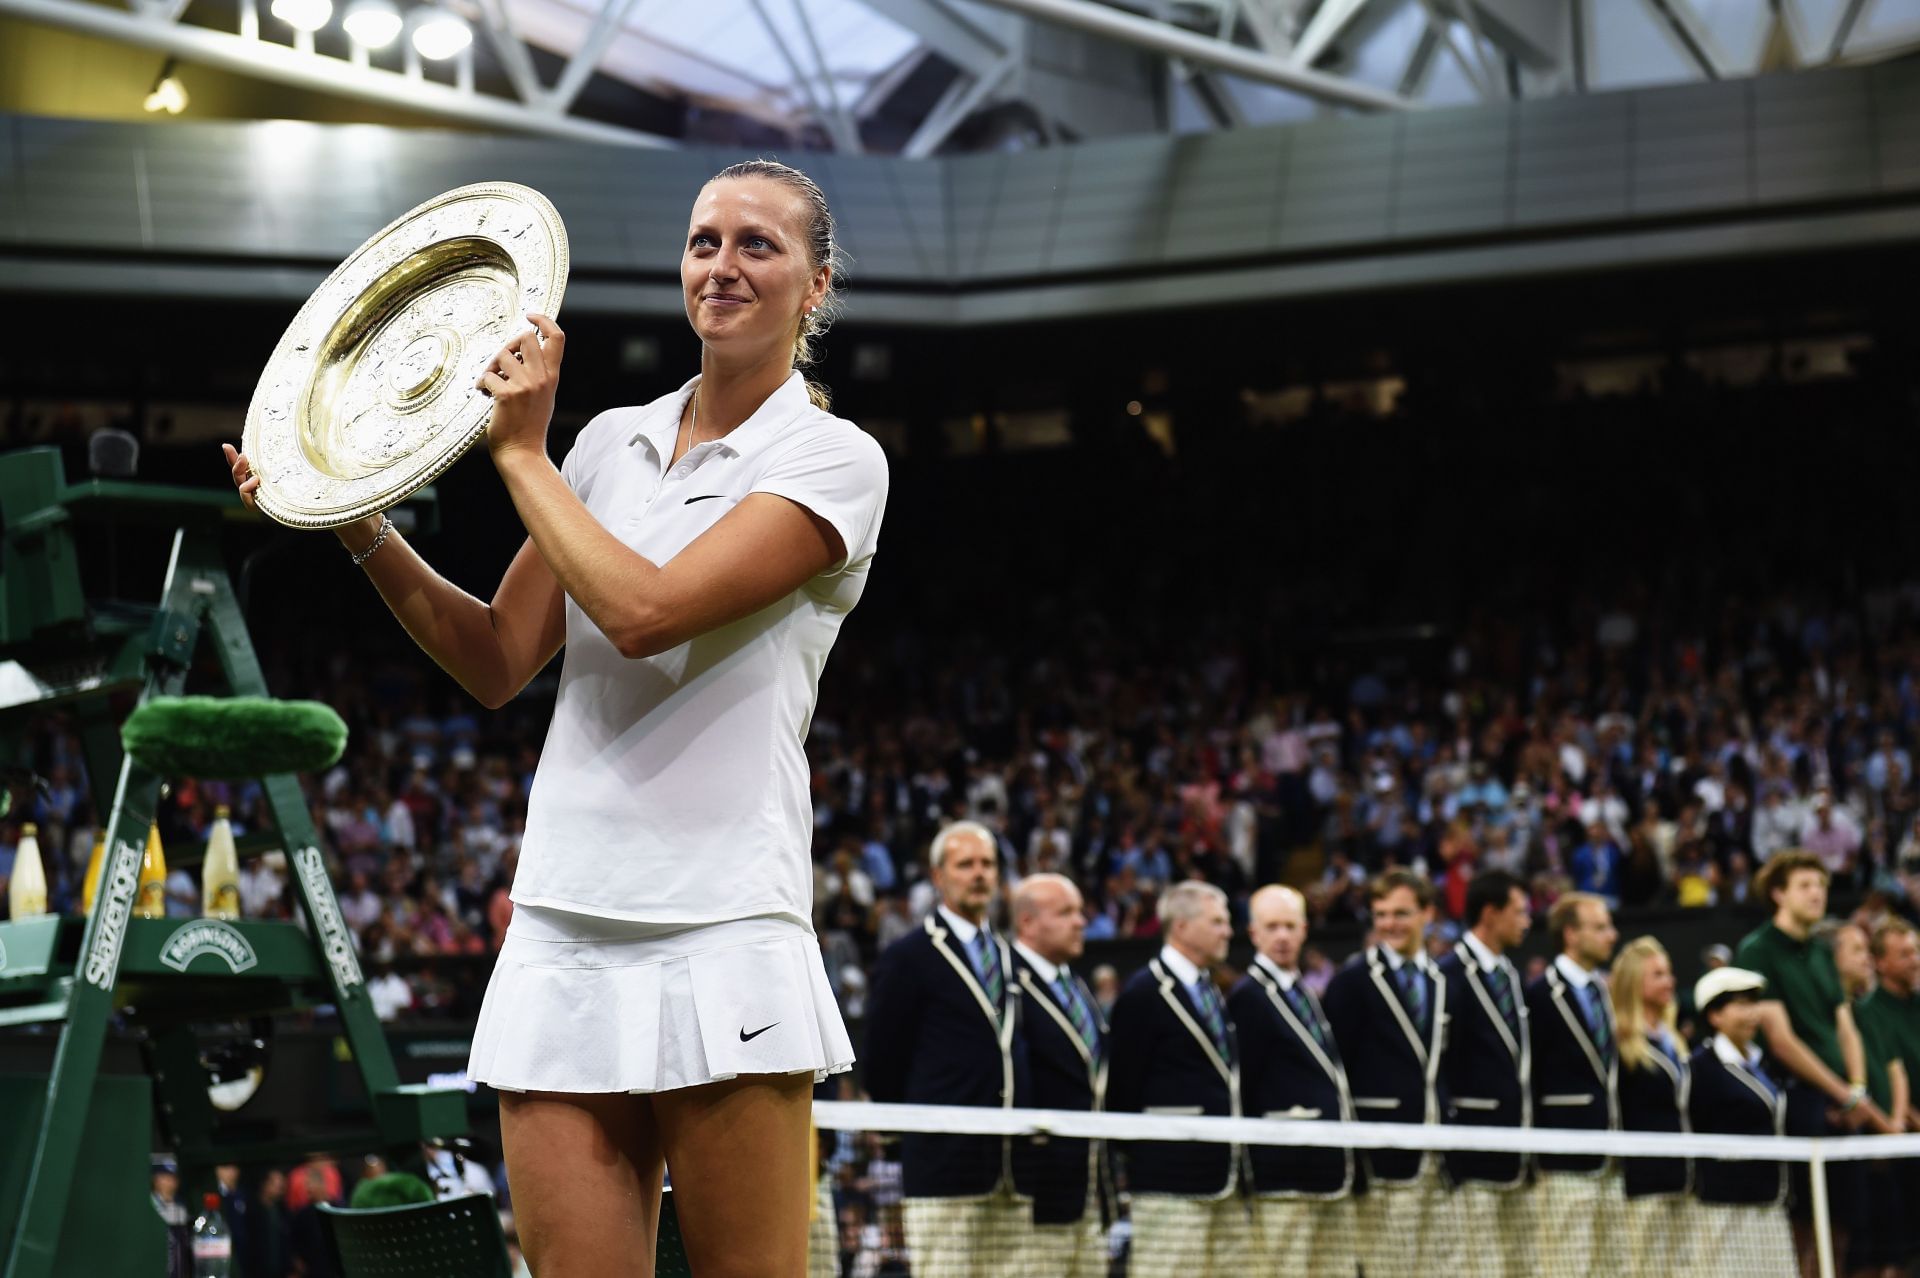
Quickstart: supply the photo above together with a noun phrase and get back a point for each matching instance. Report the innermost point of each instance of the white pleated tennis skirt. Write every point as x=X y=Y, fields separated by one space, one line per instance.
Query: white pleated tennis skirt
x=585 y=1004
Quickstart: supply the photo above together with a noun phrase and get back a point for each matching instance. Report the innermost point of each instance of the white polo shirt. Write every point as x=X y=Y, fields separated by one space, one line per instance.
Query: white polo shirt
x=673 y=789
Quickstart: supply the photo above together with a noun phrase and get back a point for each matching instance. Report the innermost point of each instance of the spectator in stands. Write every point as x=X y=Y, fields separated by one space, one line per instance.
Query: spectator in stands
x=1596 y=865
x=1172 y=1051
x=1581 y=1212
x=1809 y=1032
x=1894 y=1011
x=1303 y=1206
x=1742 y=1231
x=165 y=1181
x=269 y=1246
x=1388 y=1010
x=1875 y=1244
x=1066 y=1041
x=1653 y=1079
x=1832 y=835
x=1106 y=987
x=942 y=1030
x=1485 y=1070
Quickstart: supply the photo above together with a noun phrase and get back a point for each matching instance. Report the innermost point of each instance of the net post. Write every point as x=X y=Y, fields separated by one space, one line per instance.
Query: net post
x=1822 y=1218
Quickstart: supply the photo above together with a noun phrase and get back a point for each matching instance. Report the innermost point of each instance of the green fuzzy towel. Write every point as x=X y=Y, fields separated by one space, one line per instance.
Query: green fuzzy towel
x=395 y=1189
x=233 y=738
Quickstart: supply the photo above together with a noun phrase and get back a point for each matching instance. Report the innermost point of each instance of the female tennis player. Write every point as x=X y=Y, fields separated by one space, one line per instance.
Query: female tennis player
x=660 y=994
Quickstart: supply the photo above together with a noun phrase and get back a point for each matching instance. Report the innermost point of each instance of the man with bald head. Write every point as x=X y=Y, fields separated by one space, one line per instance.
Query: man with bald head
x=943 y=1029
x=1066 y=1037
x=1303 y=1214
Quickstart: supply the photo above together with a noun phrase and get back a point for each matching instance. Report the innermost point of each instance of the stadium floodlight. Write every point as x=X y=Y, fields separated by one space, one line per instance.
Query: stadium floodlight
x=440 y=35
x=373 y=24
x=167 y=94
x=303 y=15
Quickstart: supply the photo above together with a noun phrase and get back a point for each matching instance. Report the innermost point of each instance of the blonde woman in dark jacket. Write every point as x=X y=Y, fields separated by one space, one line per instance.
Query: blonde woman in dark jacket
x=1655 y=1078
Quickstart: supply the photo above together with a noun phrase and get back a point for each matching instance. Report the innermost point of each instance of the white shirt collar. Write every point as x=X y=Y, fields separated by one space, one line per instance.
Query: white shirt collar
x=958 y=926
x=1395 y=961
x=1183 y=968
x=1735 y=1058
x=1286 y=976
x=1047 y=972
x=1577 y=976
x=788 y=400
x=1484 y=956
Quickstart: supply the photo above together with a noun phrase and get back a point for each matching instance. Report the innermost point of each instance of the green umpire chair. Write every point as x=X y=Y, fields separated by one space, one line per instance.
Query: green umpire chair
x=457 y=1238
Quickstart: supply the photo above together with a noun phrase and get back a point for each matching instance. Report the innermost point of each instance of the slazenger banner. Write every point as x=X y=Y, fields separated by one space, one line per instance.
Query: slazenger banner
x=119 y=881
x=334 y=940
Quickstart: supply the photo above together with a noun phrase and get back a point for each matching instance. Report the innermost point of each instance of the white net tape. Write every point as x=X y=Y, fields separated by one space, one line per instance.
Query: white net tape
x=1436 y=1218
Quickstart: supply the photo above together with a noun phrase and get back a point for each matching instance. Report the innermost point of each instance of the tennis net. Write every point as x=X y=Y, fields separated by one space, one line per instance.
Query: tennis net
x=941 y=1192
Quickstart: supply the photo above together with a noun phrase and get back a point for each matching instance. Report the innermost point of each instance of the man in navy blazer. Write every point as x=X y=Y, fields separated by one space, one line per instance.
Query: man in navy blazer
x=1172 y=1052
x=1486 y=1070
x=1388 y=1009
x=943 y=1028
x=1581 y=1202
x=1303 y=1214
x=1066 y=1037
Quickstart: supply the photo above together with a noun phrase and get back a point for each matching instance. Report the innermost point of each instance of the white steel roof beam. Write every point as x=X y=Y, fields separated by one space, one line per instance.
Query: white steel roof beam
x=580 y=67
x=1328 y=23
x=1174 y=42
x=513 y=54
x=1693 y=34
x=844 y=129
x=947 y=32
x=962 y=98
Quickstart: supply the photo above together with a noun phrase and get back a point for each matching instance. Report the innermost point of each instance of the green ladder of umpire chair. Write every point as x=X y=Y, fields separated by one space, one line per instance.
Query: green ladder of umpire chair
x=60 y=1216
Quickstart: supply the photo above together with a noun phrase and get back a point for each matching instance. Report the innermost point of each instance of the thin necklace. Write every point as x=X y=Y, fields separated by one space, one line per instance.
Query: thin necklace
x=693 y=425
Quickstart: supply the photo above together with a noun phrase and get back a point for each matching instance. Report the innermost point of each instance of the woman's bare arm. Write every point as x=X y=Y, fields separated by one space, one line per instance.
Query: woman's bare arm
x=491 y=649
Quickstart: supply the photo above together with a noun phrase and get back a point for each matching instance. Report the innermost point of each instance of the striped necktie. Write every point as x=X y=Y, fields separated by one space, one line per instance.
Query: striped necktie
x=986 y=964
x=1077 y=1010
x=1297 y=1000
x=1413 y=992
x=1207 y=998
x=1503 y=995
x=1597 y=1021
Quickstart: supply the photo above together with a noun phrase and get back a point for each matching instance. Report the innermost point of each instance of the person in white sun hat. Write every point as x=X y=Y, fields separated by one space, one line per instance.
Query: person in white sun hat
x=1743 y=1221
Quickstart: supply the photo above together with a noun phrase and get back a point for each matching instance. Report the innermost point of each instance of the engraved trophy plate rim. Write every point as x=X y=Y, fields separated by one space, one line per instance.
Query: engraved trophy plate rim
x=474 y=241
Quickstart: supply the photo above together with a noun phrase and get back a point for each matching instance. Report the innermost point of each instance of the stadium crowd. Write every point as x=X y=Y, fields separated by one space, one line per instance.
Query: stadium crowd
x=1602 y=756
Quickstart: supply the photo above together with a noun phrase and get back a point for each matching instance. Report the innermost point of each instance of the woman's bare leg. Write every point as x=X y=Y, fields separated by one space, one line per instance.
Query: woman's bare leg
x=741 y=1185
x=585 y=1174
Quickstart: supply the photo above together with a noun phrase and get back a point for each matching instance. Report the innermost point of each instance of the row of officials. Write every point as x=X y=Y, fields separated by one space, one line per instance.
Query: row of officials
x=962 y=1015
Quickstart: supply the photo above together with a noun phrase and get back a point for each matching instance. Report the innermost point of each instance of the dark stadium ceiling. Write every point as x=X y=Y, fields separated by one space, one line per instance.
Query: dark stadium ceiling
x=918 y=77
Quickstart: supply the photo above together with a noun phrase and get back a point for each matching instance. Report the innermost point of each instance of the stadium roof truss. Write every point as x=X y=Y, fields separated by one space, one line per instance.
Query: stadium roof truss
x=914 y=77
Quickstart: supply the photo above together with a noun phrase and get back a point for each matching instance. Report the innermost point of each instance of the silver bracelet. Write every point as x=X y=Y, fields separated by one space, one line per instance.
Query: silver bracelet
x=379 y=540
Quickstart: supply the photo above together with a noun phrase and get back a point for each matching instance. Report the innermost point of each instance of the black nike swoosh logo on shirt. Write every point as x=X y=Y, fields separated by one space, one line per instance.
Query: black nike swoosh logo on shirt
x=709 y=497
x=747 y=1038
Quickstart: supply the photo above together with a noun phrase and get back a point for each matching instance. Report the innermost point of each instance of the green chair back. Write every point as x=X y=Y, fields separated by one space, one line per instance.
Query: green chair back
x=458 y=1238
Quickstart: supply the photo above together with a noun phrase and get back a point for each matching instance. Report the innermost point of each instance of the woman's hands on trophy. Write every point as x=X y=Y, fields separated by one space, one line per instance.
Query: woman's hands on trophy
x=354 y=535
x=243 y=477
x=522 y=379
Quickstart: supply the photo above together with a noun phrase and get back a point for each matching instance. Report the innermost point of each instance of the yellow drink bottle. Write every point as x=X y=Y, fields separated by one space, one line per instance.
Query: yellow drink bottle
x=27 y=887
x=220 y=872
x=150 y=900
x=90 y=886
